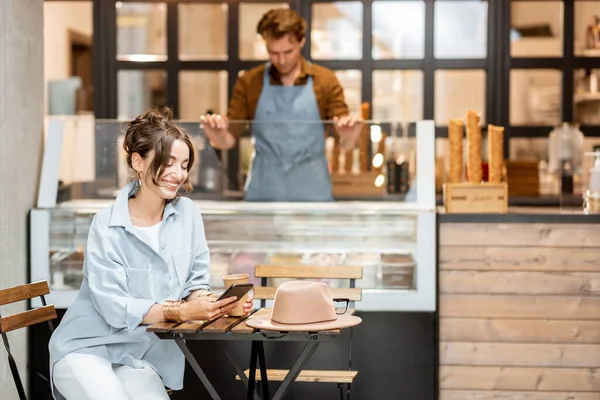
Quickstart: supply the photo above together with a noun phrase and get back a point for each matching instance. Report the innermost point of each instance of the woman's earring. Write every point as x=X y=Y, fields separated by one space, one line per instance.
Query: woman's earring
x=139 y=175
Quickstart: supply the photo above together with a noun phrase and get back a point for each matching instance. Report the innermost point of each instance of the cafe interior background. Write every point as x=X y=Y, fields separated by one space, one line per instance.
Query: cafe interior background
x=529 y=66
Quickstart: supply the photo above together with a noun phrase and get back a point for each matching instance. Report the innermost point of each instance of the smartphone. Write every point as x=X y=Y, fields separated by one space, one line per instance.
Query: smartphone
x=237 y=289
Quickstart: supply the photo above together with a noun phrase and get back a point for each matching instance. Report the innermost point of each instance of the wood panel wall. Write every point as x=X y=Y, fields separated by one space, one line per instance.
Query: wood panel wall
x=519 y=311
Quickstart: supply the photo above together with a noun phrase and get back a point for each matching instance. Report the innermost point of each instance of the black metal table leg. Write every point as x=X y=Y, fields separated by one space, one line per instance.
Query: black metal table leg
x=263 y=370
x=252 y=377
x=303 y=358
x=238 y=370
x=196 y=367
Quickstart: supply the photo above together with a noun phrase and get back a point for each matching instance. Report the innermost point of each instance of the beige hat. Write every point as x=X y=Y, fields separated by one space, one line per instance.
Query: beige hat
x=304 y=306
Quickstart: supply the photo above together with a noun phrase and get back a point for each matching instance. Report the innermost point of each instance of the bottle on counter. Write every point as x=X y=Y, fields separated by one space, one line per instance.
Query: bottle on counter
x=565 y=149
x=398 y=174
x=591 y=198
x=566 y=176
x=397 y=162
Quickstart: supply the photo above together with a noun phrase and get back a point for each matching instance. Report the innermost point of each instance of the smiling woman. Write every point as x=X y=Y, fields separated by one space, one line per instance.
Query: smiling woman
x=160 y=152
x=146 y=261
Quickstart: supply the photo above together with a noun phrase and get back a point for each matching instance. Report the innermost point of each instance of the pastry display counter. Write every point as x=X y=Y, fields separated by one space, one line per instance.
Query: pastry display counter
x=392 y=236
x=382 y=166
x=394 y=243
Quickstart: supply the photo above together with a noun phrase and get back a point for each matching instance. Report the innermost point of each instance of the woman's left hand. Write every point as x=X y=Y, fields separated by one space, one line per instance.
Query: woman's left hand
x=248 y=304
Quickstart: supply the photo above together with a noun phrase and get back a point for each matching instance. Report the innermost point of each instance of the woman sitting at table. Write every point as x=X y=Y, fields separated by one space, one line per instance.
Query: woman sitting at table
x=146 y=261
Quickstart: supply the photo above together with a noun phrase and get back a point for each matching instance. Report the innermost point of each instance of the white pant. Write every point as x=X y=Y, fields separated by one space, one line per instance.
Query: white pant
x=87 y=377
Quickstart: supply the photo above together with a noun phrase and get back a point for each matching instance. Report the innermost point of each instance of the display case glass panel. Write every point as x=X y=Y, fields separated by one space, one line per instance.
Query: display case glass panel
x=240 y=240
x=382 y=217
x=386 y=242
x=381 y=167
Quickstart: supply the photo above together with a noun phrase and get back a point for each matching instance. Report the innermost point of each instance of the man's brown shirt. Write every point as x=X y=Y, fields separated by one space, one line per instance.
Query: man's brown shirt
x=328 y=91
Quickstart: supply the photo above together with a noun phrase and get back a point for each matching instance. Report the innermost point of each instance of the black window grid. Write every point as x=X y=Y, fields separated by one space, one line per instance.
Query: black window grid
x=497 y=64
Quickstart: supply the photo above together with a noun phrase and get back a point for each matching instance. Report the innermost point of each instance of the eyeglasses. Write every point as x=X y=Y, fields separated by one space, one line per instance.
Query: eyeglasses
x=345 y=308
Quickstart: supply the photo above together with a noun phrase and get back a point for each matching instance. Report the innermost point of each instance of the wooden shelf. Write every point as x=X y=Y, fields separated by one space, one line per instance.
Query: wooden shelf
x=581 y=97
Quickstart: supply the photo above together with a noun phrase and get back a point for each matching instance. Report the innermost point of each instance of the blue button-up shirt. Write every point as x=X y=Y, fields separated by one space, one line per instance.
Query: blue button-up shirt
x=123 y=278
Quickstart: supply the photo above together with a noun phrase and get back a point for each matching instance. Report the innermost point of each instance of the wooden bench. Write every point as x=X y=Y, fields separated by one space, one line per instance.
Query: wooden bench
x=46 y=313
x=352 y=293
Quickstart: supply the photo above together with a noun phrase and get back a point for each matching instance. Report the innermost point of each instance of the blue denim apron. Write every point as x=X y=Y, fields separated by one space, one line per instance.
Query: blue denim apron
x=289 y=162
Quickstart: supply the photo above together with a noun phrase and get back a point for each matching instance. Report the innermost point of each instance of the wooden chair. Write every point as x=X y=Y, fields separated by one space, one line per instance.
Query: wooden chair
x=24 y=319
x=351 y=293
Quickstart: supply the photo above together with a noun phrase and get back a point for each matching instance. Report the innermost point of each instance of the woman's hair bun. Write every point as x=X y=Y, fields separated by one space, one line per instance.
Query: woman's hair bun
x=153 y=117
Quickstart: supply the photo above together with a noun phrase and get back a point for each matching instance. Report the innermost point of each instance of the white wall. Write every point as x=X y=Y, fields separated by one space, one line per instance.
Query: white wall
x=59 y=18
x=21 y=123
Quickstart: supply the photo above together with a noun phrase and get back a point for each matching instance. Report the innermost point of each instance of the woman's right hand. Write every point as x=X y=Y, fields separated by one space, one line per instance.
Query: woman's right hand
x=206 y=308
x=215 y=128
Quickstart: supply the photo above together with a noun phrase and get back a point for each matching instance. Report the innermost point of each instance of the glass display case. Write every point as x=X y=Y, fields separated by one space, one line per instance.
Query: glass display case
x=395 y=246
x=381 y=167
x=393 y=238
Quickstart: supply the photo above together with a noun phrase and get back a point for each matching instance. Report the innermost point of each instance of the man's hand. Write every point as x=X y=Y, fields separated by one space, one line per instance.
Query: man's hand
x=216 y=129
x=348 y=128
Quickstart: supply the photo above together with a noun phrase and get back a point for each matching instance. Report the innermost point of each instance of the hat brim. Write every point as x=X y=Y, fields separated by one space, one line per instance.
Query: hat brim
x=264 y=322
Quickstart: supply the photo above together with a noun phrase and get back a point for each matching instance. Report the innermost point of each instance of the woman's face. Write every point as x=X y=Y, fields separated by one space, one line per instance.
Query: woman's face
x=174 y=175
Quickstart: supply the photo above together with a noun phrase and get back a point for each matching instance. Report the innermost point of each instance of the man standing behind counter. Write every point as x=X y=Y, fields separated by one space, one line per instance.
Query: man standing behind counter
x=289 y=163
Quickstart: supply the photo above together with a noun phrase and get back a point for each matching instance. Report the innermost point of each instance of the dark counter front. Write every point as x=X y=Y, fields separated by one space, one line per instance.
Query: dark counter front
x=525 y=215
x=393 y=352
x=532 y=202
